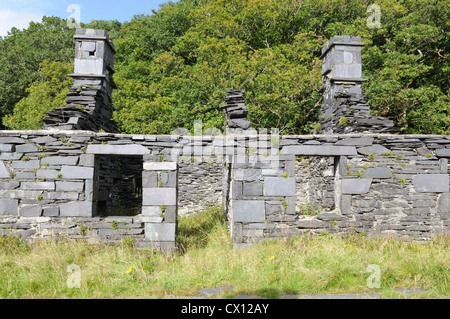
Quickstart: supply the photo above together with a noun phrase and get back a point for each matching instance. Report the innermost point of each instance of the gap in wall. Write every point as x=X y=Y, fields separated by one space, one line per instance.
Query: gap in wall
x=118 y=185
x=315 y=187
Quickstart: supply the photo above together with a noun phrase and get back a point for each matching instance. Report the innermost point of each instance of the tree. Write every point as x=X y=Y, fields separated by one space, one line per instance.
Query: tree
x=22 y=52
x=43 y=96
x=51 y=81
x=174 y=66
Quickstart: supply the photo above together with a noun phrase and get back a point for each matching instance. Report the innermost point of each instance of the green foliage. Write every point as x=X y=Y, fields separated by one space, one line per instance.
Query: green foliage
x=330 y=264
x=272 y=49
x=174 y=66
x=343 y=121
x=359 y=174
x=408 y=67
x=83 y=230
x=44 y=95
x=115 y=224
x=195 y=231
x=23 y=51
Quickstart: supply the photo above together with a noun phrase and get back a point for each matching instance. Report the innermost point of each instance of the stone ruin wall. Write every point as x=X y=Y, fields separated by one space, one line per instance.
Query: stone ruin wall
x=382 y=185
x=377 y=184
x=72 y=180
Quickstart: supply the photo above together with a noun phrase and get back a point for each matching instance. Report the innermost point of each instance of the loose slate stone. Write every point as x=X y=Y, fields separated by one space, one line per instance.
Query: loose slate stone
x=120 y=219
x=250 y=211
x=312 y=224
x=61 y=196
x=444 y=203
x=44 y=140
x=75 y=172
x=330 y=217
x=160 y=166
x=76 y=209
x=443 y=152
x=12 y=140
x=132 y=149
x=159 y=196
x=236 y=190
x=7 y=148
x=374 y=149
x=242 y=174
x=361 y=141
x=10 y=156
x=30 y=211
x=61 y=160
x=9 y=207
x=377 y=172
x=356 y=186
x=51 y=211
x=239 y=123
x=9 y=185
x=151 y=211
x=160 y=232
x=26 y=148
x=309 y=150
x=26 y=164
x=47 y=174
x=149 y=179
x=48 y=186
x=4 y=170
x=79 y=139
x=89 y=190
x=279 y=186
x=431 y=183
x=253 y=189
x=87 y=160
x=148 y=219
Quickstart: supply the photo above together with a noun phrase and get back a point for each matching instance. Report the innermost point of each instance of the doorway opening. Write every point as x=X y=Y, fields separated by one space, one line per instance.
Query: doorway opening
x=118 y=185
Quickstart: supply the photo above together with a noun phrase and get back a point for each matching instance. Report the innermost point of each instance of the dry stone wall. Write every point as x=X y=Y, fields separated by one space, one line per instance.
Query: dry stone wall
x=315 y=189
x=72 y=183
x=376 y=184
x=383 y=185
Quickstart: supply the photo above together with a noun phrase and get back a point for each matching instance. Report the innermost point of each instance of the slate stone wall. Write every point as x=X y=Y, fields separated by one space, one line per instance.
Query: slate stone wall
x=201 y=184
x=383 y=185
x=315 y=188
x=96 y=230
x=379 y=184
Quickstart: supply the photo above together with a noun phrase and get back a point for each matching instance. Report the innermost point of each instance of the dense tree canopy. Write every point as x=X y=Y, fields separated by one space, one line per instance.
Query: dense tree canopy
x=22 y=52
x=174 y=66
x=44 y=95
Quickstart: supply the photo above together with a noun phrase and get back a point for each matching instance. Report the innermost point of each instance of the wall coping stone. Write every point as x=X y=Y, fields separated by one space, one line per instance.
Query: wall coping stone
x=128 y=149
x=319 y=150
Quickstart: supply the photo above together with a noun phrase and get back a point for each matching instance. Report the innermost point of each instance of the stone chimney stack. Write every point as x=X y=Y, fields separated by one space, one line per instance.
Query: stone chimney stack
x=89 y=103
x=236 y=112
x=345 y=107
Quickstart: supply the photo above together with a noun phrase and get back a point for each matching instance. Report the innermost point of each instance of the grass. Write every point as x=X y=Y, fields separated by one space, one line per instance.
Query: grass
x=322 y=264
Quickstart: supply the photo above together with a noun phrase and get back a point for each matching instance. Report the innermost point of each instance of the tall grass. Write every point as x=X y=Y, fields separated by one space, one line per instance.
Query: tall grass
x=301 y=265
